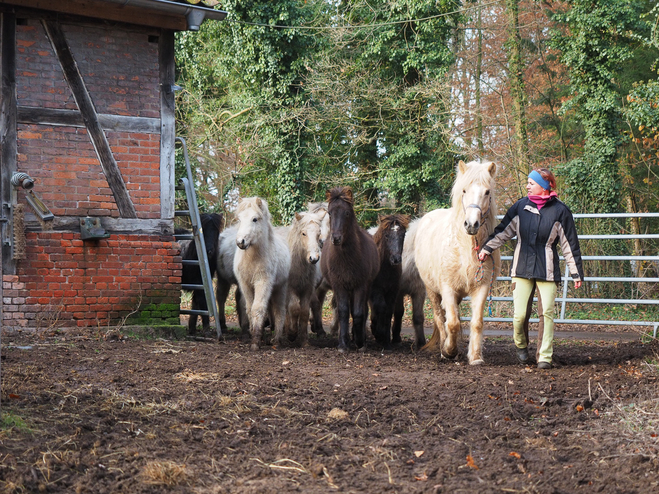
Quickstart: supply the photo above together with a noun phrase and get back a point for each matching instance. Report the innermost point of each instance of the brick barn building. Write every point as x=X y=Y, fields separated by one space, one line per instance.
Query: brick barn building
x=87 y=128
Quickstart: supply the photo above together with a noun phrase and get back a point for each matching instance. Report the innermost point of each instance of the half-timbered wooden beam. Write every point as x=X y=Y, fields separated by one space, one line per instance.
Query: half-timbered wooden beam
x=73 y=118
x=8 y=156
x=90 y=117
x=116 y=226
x=168 y=120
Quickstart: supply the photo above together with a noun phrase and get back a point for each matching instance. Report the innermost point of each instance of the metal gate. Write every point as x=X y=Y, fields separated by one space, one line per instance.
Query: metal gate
x=564 y=300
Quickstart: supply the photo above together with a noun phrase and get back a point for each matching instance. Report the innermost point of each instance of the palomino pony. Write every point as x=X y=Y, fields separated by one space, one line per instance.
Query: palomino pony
x=349 y=262
x=446 y=253
x=261 y=265
x=303 y=238
x=389 y=238
x=322 y=287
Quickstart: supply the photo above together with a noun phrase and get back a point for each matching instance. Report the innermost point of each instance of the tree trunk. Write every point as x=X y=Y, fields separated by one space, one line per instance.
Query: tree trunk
x=517 y=92
x=479 y=73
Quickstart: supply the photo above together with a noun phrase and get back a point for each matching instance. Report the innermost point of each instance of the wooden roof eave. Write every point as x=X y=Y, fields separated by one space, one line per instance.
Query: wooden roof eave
x=165 y=14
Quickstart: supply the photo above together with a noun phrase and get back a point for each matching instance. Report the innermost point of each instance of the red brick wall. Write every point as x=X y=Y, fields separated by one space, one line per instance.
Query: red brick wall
x=120 y=70
x=65 y=282
x=69 y=177
x=119 y=67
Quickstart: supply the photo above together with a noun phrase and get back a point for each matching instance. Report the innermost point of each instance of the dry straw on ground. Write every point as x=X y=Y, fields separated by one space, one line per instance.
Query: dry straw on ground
x=164 y=473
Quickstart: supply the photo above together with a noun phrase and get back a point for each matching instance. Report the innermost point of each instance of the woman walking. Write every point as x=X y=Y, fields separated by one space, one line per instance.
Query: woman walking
x=540 y=221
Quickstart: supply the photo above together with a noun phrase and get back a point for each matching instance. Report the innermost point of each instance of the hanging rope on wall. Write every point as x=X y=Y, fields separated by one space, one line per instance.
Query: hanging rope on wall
x=19 y=231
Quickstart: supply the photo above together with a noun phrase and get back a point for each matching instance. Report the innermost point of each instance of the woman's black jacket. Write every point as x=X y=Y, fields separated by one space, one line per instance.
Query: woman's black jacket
x=538 y=232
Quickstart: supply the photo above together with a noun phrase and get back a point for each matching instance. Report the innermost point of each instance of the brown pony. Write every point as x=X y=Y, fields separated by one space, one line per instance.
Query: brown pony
x=349 y=263
x=389 y=239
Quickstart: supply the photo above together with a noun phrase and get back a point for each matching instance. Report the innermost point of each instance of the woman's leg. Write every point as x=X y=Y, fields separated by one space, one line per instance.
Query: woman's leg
x=547 y=296
x=522 y=299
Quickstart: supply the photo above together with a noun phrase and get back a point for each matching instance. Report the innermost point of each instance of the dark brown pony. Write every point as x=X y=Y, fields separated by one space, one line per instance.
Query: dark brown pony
x=349 y=262
x=211 y=225
x=389 y=239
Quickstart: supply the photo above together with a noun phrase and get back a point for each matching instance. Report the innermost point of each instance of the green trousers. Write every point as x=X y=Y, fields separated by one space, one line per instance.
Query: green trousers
x=523 y=290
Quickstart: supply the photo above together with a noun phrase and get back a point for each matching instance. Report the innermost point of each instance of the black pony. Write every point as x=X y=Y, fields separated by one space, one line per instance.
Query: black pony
x=389 y=239
x=211 y=225
x=349 y=263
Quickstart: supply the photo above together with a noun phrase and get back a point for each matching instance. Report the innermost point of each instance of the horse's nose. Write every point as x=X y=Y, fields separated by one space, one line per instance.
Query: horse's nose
x=395 y=260
x=240 y=242
x=472 y=228
x=314 y=259
x=336 y=239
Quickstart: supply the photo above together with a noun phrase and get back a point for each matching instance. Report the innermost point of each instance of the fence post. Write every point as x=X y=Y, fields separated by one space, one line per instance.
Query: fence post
x=565 y=282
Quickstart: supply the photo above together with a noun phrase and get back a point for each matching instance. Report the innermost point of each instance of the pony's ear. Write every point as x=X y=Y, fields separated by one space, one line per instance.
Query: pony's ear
x=380 y=216
x=492 y=168
x=263 y=206
x=462 y=166
x=328 y=195
x=298 y=217
x=347 y=192
x=405 y=220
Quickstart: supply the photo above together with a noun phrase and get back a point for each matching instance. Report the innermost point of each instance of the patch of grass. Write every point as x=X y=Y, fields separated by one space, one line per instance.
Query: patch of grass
x=10 y=421
x=612 y=312
x=173 y=331
x=653 y=364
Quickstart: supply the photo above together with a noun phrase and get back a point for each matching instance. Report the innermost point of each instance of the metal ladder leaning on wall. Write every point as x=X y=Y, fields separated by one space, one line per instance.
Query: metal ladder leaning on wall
x=197 y=235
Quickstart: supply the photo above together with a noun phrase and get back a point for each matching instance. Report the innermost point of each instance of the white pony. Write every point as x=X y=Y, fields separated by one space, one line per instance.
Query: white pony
x=261 y=264
x=226 y=278
x=303 y=238
x=446 y=253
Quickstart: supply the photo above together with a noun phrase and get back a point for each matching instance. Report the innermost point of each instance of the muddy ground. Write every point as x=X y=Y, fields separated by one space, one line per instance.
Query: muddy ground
x=104 y=412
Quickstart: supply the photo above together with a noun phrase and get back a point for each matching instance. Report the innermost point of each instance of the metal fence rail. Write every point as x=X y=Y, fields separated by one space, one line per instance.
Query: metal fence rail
x=564 y=299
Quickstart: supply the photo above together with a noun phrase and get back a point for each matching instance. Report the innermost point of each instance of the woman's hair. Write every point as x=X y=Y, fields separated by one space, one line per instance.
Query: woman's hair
x=548 y=176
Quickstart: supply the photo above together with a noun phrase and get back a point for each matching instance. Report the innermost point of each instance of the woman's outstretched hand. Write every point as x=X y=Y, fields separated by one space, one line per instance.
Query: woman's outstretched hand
x=482 y=255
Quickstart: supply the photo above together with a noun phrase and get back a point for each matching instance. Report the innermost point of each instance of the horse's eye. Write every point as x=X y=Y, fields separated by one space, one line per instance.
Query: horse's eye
x=255 y=220
x=304 y=234
x=487 y=192
x=464 y=191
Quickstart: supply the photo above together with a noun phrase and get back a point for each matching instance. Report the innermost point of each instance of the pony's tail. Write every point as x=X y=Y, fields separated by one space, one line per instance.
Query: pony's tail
x=435 y=340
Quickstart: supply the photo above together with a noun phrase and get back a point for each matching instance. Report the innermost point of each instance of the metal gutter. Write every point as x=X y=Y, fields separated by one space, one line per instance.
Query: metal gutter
x=194 y=14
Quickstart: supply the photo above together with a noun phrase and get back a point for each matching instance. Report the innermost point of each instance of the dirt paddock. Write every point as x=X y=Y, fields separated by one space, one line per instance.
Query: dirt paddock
x=108 y=413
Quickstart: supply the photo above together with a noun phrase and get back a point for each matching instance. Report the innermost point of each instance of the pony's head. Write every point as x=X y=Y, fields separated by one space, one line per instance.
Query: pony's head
x=253 y=221
x=305 y=232
x=390 y=237
x=320 y=209
x=342 y=215
x=473 y=193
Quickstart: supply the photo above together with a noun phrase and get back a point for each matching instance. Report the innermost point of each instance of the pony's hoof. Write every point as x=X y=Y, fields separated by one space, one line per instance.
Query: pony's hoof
x=254 y=347
x=343 y=349
x=450 y=356
x=478 y=361
x=362 y=349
